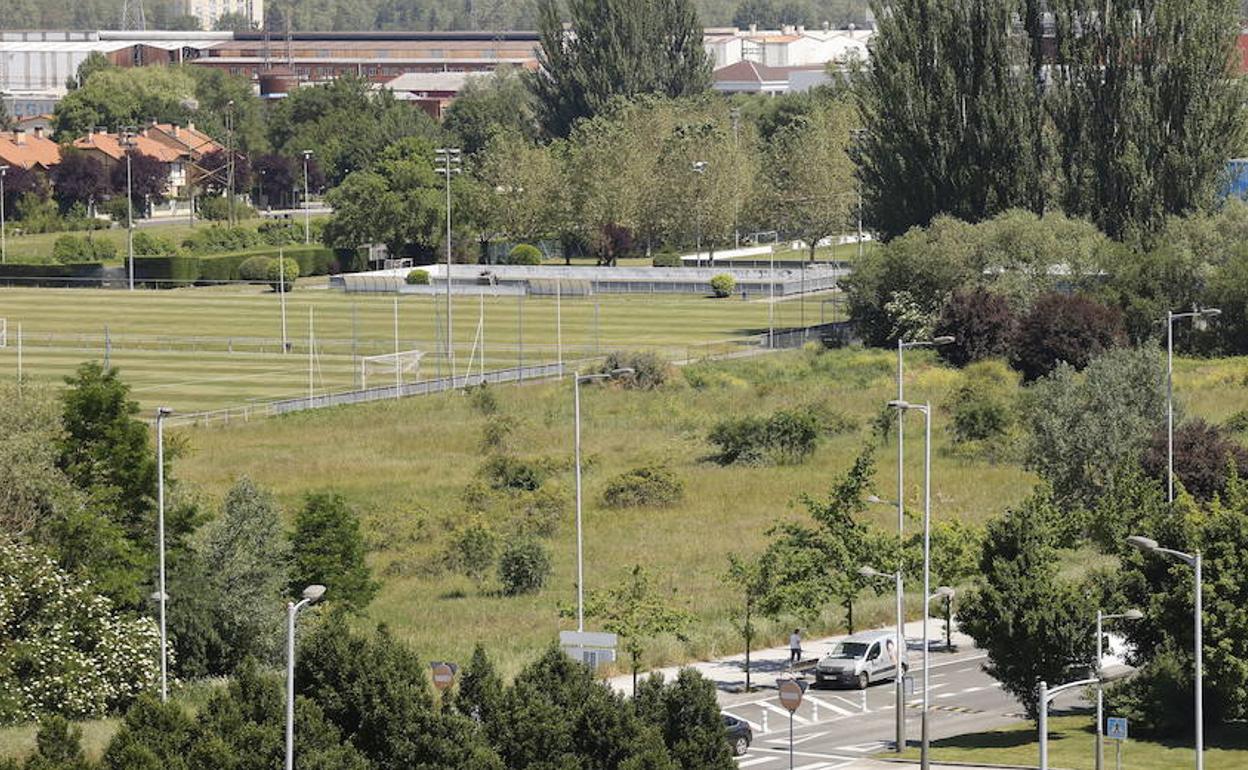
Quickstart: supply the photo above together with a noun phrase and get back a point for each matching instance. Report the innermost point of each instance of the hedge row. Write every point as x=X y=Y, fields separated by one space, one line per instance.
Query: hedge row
x=225 y=267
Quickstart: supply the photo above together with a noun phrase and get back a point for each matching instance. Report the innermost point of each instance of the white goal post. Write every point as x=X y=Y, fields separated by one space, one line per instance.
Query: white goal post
x=4 y=332
x=396 y=365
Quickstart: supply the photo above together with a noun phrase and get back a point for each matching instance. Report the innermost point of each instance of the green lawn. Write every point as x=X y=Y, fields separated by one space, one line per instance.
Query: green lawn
x=1072 y=746
x=197 y=349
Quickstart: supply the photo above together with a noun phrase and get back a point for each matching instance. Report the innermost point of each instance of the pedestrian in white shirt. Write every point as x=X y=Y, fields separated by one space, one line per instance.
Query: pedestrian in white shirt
x=795 y=646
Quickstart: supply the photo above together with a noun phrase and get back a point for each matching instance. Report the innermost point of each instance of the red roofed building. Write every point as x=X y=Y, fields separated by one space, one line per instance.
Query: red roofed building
x=108 y=149
x=33 y=150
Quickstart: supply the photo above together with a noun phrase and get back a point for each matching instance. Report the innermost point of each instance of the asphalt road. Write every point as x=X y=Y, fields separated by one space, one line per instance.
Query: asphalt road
x=836 y=728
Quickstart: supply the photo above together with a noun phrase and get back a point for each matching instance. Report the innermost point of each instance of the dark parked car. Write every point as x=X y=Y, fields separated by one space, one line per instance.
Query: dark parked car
x=739 y=734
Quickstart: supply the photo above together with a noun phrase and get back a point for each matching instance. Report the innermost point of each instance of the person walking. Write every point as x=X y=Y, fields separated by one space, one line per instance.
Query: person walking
x=795 y=646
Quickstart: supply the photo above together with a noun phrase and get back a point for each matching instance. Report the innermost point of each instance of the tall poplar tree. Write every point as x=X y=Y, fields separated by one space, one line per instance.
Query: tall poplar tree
x=615 y=48
x=948 y=104
x=1147 y=107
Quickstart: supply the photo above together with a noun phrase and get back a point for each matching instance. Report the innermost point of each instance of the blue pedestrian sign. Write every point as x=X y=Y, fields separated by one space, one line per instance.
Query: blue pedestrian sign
x=1116 y=728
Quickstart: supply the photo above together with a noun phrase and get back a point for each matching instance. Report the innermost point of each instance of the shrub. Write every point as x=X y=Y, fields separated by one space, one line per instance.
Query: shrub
x=218 y=239
x=666 y=260
x=1202 y=454
x=255 y=269
x=1060 y=327
x=981 y=323
x=417 y=278
x=66 y=651
x=537 y=513
x=483 y=399
x=1084 y=428
x=523 y=567
x=982 y=408
x=507 y=472
x=1238 y=422
x=472 y=550
x=649 y=369
x=148 y=245
x=650 y=486
x=524 y=254
x=277 y=233
x=783 y=438
x=70 y=248
x=216 y=208
x=496 y=432
x=279 y=268
x=723 y=285
x=116 y=209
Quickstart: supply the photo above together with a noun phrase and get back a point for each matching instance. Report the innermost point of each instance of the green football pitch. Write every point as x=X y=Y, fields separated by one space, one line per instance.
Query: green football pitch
x=201 y=349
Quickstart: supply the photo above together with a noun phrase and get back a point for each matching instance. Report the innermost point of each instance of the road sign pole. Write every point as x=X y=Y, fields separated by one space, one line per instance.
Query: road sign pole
x=790 y=740
x=1118 y=755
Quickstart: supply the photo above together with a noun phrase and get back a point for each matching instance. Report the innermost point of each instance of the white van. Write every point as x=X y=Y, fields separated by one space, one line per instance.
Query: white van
x=861 y=659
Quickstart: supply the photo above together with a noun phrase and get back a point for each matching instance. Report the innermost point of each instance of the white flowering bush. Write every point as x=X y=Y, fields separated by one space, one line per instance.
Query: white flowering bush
x=63 y=649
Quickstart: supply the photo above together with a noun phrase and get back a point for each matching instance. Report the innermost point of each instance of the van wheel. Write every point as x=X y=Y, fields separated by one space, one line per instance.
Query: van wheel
x=740 y=746
x=863 y=680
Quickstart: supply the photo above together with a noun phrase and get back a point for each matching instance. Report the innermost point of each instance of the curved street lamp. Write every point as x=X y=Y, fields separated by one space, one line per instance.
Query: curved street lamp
x=311 y=595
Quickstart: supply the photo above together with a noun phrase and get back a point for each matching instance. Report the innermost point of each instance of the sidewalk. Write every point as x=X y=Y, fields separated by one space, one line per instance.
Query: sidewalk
x=769 y=664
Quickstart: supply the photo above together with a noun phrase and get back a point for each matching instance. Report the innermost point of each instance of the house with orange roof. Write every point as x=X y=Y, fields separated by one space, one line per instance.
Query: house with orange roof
x=110 y=150
x=33 y=150
x=190 y=141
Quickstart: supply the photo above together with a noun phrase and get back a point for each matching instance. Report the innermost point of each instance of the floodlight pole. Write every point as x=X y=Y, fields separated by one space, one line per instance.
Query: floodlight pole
x=4 y=246
x=127 y=144
x=449 y=157
x=307 y=223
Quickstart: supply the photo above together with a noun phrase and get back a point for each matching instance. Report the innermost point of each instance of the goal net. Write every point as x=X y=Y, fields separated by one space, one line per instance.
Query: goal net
x=391 y=367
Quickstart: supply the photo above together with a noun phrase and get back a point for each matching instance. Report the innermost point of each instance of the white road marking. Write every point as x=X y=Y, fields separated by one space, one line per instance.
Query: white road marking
x=784 y=713
x=750 y=762
x=832 y=707
x=971 y=690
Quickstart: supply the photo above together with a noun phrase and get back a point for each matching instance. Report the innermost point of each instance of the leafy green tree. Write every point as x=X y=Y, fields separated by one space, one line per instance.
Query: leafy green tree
x=816 y=563
x=1084 y=429
x=620 y=48
x=1146 y=108
x=376 y=692
x=250 y=559
x=1033 y=624
x=126 y=96
x=398 y=202
x=523 y=184
x=751 y=580
x=557 y=714
x=688 y=717
x=480 y=689
x=215 y=89
x=328 y=549
x=1161 y=588
x=95 y=62
x=808 y=189
x=638 y=612
x=32 y=487
x=492 y=104
x=952 y=120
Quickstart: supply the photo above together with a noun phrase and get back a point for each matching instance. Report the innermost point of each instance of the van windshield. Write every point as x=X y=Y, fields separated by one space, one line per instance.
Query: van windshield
x=848 y=650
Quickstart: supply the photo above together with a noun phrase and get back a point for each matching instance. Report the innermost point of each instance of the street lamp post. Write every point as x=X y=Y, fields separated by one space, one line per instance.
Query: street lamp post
x=1148 y=545
x=1100 y=694
x=699 y=168
x=128 y=143
x=311 y=594
x=899 y=681
x=926 y=409
x=1045 y=696
x=902 y=346
x=161 y=414
x=577 y=379
x=307 y=223
x=1199 y=316
x=4 y=246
